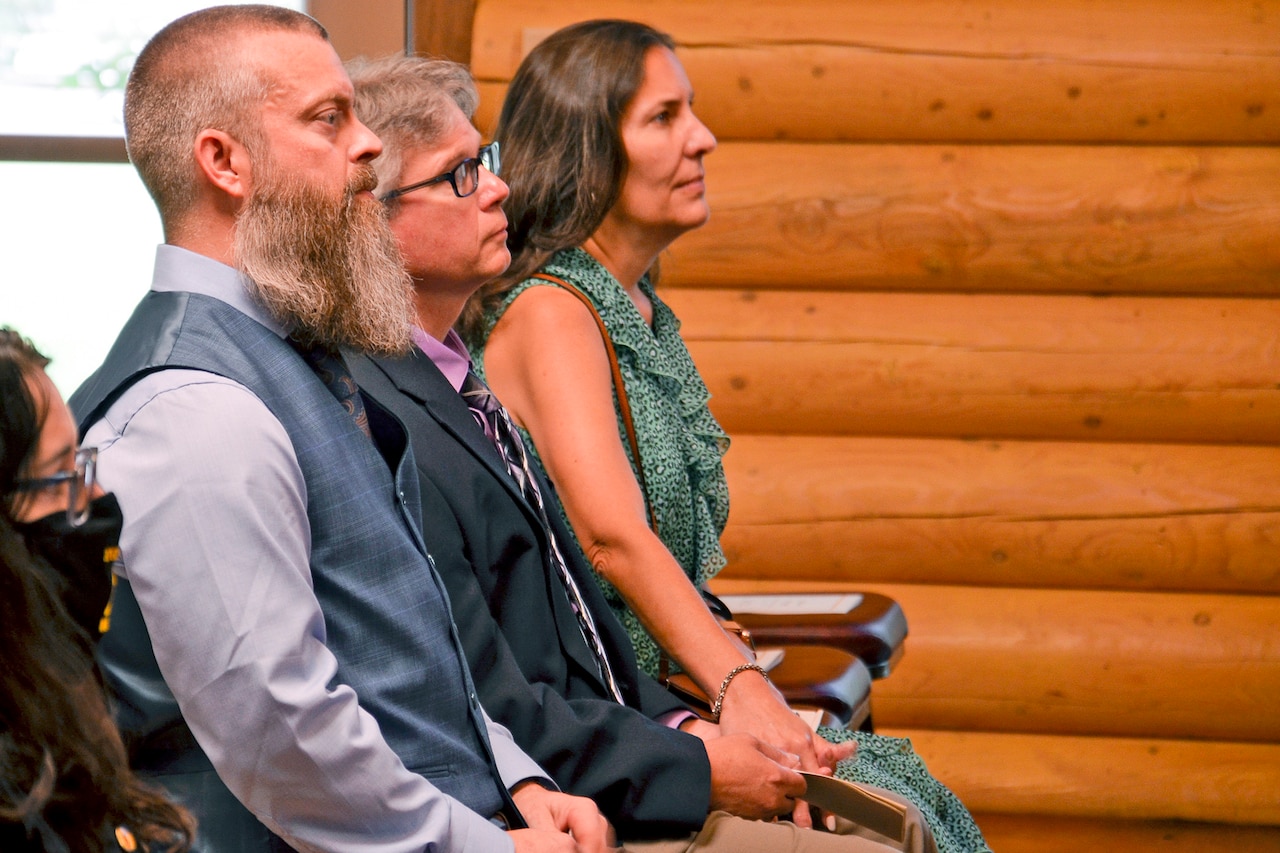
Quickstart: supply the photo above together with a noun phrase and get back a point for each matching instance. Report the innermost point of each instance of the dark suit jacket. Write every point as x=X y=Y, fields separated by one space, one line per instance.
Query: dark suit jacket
x=535 y=673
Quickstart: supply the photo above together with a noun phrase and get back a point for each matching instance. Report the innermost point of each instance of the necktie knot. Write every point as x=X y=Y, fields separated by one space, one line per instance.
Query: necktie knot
x=478 y=396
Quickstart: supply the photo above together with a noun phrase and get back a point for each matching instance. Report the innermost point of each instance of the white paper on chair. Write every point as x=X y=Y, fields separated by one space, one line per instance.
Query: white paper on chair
x=769 y=658
x=792 y=604
x=811 y=716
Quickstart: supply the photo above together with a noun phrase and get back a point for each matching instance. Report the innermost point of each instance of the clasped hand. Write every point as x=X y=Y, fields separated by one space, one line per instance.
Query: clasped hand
x=559 y=823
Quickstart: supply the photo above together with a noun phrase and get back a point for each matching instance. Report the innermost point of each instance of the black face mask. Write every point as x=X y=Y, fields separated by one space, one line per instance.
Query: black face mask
x=81 y=556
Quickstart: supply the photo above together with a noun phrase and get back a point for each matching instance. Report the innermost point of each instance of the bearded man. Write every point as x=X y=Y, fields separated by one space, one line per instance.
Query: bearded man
x=281 y=647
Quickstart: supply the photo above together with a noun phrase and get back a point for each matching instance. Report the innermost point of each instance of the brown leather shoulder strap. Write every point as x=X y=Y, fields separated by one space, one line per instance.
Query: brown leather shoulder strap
x=623 y=403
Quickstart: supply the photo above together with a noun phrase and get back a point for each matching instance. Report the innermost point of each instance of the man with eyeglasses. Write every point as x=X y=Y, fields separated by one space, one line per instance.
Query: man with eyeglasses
x=550 y=660
x=281 y=646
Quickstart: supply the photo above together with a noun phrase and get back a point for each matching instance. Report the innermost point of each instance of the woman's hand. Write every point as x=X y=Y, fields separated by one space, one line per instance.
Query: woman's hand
x=755 y=706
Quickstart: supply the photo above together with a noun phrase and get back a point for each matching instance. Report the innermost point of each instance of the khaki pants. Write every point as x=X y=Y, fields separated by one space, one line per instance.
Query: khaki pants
x=724 y=833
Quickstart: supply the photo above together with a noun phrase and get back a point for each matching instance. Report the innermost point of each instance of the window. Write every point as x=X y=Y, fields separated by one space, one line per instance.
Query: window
x=79 y=228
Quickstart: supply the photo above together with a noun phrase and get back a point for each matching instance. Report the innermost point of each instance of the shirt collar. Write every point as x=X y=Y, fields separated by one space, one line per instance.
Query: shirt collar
x=449 y=355
x=179 y=269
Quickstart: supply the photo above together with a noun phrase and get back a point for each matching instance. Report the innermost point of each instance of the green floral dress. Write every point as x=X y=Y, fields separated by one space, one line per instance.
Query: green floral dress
x=681 y=446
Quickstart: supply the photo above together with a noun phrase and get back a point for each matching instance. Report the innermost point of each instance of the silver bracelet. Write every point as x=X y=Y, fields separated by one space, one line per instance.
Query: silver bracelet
x=724 y=686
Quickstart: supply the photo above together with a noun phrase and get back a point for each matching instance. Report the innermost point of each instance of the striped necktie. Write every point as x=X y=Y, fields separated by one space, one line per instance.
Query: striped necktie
x=497 y=424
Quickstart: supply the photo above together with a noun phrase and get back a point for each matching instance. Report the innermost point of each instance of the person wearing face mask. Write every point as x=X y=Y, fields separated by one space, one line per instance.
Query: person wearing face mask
x=80 y=533
x=64 y=780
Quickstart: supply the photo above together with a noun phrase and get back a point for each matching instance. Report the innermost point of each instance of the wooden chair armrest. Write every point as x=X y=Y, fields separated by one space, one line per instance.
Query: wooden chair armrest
x=827 y=678
x=874 y=631
x=821 y=677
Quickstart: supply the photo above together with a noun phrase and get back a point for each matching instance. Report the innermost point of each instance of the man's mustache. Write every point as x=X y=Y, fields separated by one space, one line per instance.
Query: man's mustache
x=365 y=179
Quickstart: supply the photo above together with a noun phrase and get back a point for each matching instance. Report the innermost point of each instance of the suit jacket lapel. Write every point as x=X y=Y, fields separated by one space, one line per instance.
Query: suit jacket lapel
x=421 y=380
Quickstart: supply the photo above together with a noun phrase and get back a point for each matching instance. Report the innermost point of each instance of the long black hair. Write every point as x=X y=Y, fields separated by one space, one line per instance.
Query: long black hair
x=20 y=416
x=63 y=769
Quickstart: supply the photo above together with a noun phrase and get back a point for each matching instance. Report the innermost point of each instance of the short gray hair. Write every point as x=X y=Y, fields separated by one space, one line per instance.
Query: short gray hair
x=405 y=101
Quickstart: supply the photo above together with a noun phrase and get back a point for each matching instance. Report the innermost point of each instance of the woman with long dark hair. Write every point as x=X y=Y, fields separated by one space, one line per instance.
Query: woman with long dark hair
x=604 y=155
x=65 y=785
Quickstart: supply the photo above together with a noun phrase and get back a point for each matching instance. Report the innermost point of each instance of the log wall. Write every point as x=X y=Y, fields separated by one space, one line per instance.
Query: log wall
x=909 y=70
x=990 y=303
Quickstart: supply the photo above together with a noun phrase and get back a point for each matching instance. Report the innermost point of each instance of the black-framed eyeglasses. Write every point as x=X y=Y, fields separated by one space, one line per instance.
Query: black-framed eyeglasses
x=79 y=482
x=464 y=178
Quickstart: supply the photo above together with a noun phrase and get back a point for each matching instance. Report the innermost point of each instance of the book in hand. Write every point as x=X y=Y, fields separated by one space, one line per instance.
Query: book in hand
x=857 y=803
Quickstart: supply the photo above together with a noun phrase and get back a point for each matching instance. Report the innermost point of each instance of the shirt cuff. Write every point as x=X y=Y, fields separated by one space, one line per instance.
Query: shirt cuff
x=674 y=719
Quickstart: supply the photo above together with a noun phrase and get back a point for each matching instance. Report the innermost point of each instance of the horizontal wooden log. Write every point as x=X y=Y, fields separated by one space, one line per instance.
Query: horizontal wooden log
x=1117 y=778
x=1041 y=834
x=1143 y=70
x=1067 y=662
x=443 y=28
x=987 y=366
x=1100 y=220
x=1073 y=515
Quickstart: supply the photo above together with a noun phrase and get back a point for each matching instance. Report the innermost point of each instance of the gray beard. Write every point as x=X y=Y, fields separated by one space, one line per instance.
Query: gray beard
x=328 y=269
